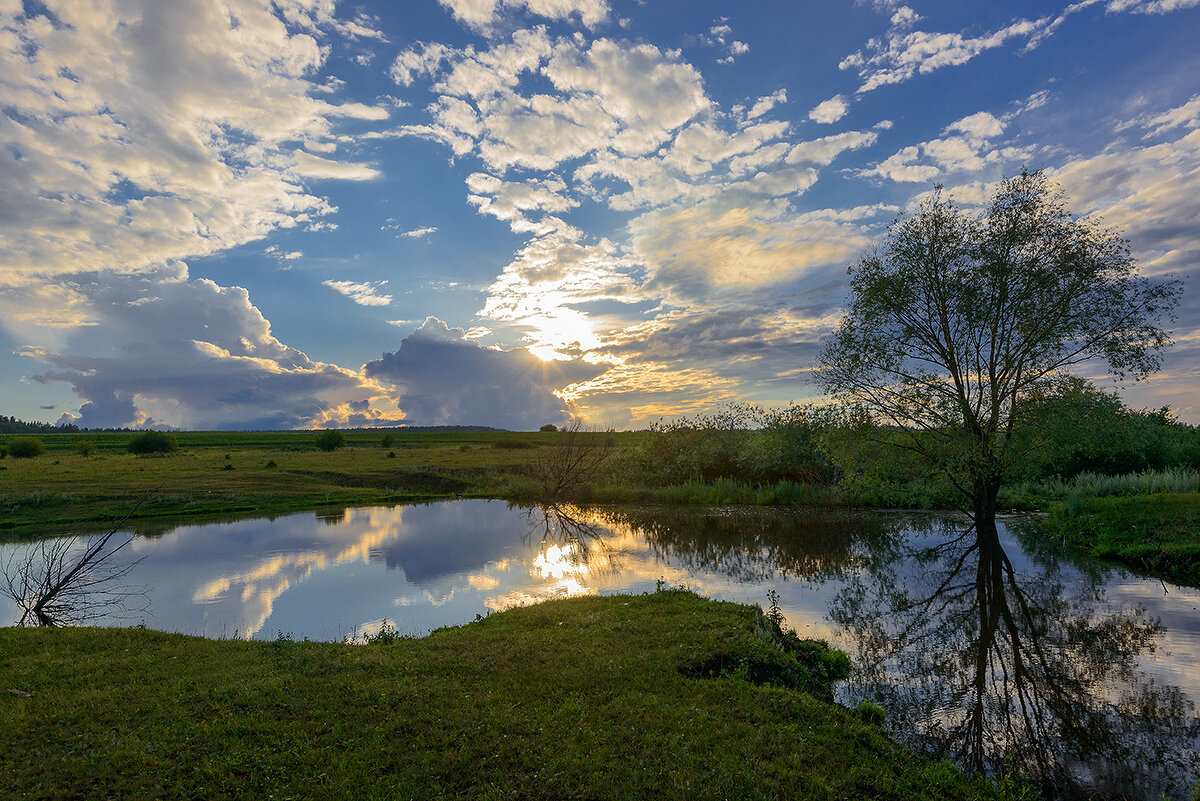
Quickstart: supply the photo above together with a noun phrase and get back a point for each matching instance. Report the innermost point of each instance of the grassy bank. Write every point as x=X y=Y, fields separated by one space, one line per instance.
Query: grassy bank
x=585 y=698
x=1156 y=534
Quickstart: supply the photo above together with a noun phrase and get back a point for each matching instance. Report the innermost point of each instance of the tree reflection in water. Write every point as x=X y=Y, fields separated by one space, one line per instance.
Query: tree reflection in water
x=979 y=663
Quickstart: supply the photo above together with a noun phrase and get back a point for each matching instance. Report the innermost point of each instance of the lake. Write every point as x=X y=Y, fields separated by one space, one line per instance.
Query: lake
x=977 y=644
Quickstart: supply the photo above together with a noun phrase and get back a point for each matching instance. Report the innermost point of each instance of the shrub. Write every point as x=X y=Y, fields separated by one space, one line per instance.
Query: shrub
x=330 y=439
x=85 y=447
x=152 y=442
x=25 y=447
x=386 y=440
x=548 y=427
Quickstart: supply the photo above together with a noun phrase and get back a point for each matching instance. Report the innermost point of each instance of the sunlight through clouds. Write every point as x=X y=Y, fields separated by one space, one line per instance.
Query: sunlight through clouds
x=217 y=215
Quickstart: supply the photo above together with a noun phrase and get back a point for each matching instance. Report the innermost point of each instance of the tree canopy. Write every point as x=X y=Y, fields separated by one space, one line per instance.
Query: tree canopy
x=956 y=319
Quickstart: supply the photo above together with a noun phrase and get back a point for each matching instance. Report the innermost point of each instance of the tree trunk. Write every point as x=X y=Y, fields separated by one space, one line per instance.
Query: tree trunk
x=986 y=491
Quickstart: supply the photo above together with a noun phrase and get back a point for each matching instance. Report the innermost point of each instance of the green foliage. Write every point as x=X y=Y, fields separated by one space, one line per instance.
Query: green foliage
x=956 y=320
x=330 y=439
x=25 y=447
x=1073 y=428
x=870 y=712
x=548 y=428
x=152 y=442
x=85 y=447
x=387 y=440
x=738 y=441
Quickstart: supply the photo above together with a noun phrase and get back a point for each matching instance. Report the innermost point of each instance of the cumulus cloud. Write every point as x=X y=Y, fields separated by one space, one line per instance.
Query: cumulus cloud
x=442 y=377
x=830 y=111
x=135 y=135
x=628 y=97
x=511 y=200
x=141 y=132
x=965 y=146
x=481 y=14
x=166 y=350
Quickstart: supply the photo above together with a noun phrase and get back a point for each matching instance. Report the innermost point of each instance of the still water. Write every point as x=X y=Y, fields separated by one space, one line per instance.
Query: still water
x=981 y=647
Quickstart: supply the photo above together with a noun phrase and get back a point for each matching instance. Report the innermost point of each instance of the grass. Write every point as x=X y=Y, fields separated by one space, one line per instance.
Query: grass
x=257 y=472
x=582 y=698
x=1155 y=534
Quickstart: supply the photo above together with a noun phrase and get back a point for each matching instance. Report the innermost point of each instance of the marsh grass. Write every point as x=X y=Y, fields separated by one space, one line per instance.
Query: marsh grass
x=583 y=698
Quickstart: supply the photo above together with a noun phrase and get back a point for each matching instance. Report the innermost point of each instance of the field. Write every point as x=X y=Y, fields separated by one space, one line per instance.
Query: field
x=618 y=697
x=233 y=473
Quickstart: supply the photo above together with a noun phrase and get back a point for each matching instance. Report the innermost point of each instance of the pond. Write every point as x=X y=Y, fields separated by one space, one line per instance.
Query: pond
x=980 y=646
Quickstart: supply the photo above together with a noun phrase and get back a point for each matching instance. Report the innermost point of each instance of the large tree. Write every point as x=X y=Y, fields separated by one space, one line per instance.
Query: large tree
x=955 y=319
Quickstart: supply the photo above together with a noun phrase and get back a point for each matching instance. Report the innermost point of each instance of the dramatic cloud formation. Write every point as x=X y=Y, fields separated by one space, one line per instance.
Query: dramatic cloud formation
x=442 y=377
x=190 y=353
x=207 y=208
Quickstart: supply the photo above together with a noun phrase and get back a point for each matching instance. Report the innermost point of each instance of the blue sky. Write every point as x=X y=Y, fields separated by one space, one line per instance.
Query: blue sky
x=501 y=212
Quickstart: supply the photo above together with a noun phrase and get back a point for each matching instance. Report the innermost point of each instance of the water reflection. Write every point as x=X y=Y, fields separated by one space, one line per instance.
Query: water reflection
x=975 y=661
x=979 y=648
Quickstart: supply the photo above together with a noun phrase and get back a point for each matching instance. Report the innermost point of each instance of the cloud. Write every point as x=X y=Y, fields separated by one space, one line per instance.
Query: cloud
x=824 y=150
x=311 y=166
x=1150 y=193
x=138 y=133
x=482 y=14
x=702 y=255
x=964 y=147
x=510 y=200
x=903 y=53
x=767 y=103
x=420 y=233
x=190 y=354
x=363 y=294
x=627 y=97
x=442 y=377
x=830 y=111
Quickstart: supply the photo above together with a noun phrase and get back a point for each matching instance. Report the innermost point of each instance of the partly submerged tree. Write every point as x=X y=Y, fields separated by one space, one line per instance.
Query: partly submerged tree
x=955 y=319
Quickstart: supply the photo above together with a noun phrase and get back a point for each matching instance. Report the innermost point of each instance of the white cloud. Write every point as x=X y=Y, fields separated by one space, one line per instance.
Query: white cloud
x=767 y=103
x=902 y=53
x=964 y=147
x=481 y=14
x=1186 y=116
x=311 y=166
x=100 y=168
x=510 y=200
x=705 y=254
x=419 y=233
x=364 y=294
x=186 y=353
x=830 y=111
x=824 y=150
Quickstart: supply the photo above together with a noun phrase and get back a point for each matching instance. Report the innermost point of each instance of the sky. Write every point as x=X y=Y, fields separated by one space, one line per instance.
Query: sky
x=308 y=213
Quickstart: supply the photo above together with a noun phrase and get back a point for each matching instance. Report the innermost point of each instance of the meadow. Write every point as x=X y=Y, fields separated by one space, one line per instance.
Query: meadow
x=664 y=695
x=222 y=473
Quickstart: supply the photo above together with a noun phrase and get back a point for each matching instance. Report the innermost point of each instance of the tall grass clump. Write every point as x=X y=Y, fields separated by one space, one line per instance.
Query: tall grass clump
x=25 y=447
x=330 y=440
x=152 y=442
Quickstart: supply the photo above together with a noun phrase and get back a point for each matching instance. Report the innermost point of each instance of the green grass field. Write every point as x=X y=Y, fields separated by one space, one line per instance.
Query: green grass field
x=228 y=473
x=586 y=698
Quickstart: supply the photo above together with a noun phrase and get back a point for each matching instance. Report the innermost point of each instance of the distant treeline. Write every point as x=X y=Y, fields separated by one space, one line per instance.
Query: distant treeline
x=11 y=425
